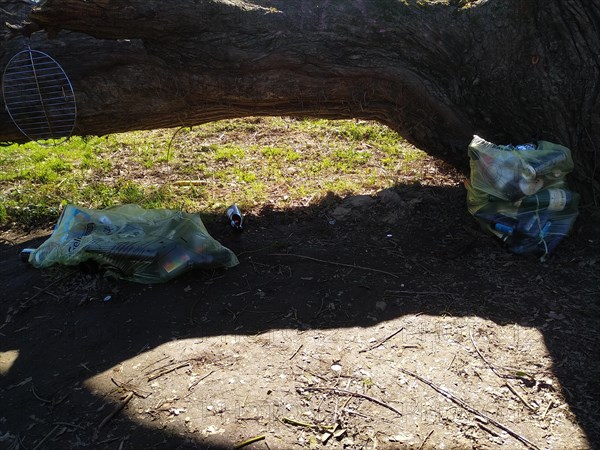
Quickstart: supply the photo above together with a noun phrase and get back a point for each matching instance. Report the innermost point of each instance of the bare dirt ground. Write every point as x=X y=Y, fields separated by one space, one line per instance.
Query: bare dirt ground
x=408 y=328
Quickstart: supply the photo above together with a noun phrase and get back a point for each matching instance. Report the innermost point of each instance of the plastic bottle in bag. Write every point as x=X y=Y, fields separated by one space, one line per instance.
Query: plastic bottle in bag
x=545 y=165
x=500 y=221
x=504 y=174
x=532 y=222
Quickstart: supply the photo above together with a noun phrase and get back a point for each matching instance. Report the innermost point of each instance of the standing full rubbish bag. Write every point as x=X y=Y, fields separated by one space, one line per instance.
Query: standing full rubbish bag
x=519 y=194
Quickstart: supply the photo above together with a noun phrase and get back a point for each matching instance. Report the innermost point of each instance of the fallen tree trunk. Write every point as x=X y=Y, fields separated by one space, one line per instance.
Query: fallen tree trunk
x=436 y=72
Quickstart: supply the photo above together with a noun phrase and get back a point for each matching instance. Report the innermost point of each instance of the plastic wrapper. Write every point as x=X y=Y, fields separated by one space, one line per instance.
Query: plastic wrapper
x=136 y=244
x=519 y=194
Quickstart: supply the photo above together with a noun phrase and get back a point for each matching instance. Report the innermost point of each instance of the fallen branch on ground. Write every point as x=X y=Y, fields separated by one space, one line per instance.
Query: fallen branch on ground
x=378 y=343
x=196 y=382
x=520 y=397
x=153 y=375
x=494 y=368
x=35 y=394
x=353 y=394
x=353 y=266
x=425 y=440
x=472 y=410
x=116 y=411
x=131 y=387
x=39 y=444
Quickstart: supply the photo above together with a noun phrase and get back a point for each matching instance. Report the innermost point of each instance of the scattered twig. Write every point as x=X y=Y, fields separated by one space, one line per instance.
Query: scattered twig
x=248 y=442
x=344 y=407
x=452 y=362
x=69 y=424
x=115 y=411
x=236 y=314
x=280 y=316
x=42 y=290
x=173 y=138
x=494 y=368
x=353 y=266
x=312 y=373
x=59 y=400
x=354 y=394
x=489 y=430
x=425 y=440
x=155 y=362
x=43 y=400
x=240 y=294
x=142 y=349
x=356 y=413
x=472 y=410
x=296 y=352
x=22 y=383
x=550 y=405
x=417 y=292
x=419 y=346
x=21 y=441
x=250 y=418
x=306 y=425
x=520 y=397
x=39 y=444
x=378 y=343
x=51 y=294
x=196 y=382
x=83 y=365
x=166 y=369
x=130 y=387
x=108 y=440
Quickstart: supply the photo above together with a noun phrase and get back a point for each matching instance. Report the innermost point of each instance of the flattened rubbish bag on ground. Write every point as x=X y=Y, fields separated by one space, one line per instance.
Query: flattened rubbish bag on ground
x=519 y=194
x=136 y=244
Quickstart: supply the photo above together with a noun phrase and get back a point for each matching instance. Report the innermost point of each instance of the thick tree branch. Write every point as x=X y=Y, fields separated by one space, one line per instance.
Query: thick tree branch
x=512 y=71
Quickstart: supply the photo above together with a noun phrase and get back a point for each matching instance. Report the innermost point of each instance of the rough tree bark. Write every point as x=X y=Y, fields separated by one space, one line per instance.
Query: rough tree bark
x=435 y=71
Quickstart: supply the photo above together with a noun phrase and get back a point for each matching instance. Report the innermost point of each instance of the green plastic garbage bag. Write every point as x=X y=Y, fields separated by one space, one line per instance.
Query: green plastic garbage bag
x=136 y=244
x=519 y=194
x=513 y=172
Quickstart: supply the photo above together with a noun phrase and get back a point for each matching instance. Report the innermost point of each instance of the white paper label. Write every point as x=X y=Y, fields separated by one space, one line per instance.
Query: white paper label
x=531 y=187
x=557 y=200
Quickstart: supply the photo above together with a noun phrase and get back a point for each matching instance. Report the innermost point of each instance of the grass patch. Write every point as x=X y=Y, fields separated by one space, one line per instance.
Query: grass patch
x=285 y=162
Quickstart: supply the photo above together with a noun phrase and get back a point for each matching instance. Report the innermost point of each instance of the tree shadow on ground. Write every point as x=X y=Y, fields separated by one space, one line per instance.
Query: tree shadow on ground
x=66 y=333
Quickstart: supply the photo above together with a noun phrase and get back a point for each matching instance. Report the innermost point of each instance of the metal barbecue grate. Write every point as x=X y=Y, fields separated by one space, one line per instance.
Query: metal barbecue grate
x=39 y=96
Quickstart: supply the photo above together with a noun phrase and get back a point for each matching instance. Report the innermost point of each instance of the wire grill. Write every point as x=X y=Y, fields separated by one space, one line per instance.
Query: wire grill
x=39 y=96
